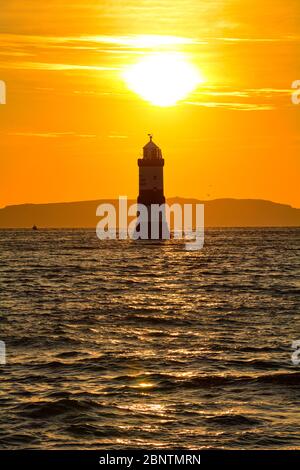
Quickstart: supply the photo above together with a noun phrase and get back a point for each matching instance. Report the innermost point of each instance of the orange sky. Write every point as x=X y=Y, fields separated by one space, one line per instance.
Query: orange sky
x=72 y=130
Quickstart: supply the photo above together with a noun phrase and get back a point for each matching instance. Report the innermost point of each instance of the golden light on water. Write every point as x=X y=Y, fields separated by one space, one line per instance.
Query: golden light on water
x=145 y=385
x=163 y=78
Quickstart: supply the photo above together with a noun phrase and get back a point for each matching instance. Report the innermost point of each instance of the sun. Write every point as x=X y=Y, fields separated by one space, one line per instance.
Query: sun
x=163 y=78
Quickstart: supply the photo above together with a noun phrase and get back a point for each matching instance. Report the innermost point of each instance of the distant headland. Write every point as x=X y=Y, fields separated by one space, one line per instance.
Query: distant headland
x=218 y=213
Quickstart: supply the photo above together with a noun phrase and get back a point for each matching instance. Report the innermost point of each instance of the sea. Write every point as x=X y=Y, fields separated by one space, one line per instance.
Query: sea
x=120 y=344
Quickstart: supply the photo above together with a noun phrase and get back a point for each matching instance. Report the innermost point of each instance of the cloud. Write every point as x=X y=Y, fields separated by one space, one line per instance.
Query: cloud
x=49 y=66
x=114 y=136
x=43 y=51
x=259 y=40
x=135 y=41
x=51 y=135
x=248 y=99
x=55 y=135
x=142 y=40
x=232 y=106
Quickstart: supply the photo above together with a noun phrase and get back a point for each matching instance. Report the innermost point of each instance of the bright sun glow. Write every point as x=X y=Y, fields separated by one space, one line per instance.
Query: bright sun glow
x=163 y=78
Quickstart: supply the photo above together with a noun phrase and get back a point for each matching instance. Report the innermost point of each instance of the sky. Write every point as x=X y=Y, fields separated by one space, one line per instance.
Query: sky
x=72 y=128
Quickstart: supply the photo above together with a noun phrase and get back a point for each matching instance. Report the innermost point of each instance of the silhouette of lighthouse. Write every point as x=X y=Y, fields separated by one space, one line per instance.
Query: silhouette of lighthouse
x=151 y=187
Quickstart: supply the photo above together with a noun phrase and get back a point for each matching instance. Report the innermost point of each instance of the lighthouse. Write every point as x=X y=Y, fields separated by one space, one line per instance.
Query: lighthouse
x=151 y=188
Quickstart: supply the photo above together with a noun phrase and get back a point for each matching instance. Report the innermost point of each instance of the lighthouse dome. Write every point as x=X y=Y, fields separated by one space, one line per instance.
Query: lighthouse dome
x=151 y=150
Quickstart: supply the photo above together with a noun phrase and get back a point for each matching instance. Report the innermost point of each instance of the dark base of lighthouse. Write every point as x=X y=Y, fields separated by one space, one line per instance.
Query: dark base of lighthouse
x=154 y=226
x=154 y=231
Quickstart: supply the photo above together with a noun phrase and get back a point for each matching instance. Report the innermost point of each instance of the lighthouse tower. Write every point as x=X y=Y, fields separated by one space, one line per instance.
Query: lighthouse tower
x=151 y=184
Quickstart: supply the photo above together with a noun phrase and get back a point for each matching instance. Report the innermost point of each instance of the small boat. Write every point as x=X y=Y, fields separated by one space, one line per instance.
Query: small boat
x=34 y=227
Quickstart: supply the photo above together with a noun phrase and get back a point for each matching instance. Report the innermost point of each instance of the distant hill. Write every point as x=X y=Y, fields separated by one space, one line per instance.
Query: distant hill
x=218 y=213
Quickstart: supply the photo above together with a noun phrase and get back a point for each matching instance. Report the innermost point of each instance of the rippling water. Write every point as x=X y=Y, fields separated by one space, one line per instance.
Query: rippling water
x=122 y=344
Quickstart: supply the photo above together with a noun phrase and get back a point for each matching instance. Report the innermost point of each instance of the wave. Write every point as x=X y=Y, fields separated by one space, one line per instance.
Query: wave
x=164 y=381
x=233 y=420
x=45 y=409
x=292 y=378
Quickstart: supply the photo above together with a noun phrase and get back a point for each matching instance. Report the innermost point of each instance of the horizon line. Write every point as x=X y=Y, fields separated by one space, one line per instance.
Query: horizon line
x=134 y=199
